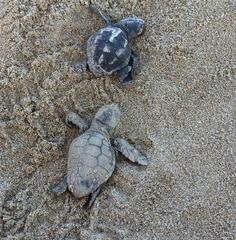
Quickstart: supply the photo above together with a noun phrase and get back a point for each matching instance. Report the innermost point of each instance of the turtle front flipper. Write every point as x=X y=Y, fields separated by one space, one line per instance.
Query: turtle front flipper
x=130 y=152
x=75 y=120
x=60 y=187
x=100 y=14
x=126 y=74
x=135 y=60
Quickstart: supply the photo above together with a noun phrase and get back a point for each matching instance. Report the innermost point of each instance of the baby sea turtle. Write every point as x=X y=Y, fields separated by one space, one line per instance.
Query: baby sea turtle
x=91 y=158
x=108 y=49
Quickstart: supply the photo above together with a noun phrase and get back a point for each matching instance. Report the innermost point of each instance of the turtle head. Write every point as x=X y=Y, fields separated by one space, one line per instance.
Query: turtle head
x=108 y=115
x=133 y=26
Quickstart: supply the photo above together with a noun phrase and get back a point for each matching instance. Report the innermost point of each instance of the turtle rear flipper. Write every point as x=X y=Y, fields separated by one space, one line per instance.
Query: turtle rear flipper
x=61 y=187
x=125 y=74
x=81 y=66
x=91 y=199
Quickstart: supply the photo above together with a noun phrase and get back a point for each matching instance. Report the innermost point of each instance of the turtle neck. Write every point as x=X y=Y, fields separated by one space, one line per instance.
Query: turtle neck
x=100 y=127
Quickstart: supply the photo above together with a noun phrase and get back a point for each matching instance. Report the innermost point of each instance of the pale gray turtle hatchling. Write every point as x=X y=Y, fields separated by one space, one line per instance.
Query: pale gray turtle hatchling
x=108 y=50
x=91 y=158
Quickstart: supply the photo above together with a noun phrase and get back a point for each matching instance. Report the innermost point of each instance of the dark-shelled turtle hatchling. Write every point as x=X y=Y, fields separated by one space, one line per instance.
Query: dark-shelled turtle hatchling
x=108 y=50
x=91 y=158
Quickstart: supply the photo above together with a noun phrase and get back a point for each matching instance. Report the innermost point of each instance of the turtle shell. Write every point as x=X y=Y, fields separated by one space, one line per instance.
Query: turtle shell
x=108 y=51
x=91 y=162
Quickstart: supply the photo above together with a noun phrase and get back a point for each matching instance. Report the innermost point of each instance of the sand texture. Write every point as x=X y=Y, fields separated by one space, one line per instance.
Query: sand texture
x=180 y=111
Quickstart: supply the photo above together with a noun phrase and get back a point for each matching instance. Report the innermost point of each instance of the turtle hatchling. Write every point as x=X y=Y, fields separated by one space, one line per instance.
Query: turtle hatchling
x=91 y=158
x=108 y=50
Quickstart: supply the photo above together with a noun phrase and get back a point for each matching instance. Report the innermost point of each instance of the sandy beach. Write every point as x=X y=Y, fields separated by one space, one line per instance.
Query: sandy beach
x=180 y=111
